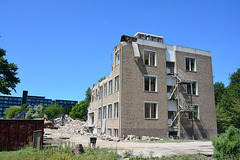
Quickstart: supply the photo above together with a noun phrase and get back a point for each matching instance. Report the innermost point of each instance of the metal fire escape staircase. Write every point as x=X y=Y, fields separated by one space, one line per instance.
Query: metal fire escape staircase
x=182 y=78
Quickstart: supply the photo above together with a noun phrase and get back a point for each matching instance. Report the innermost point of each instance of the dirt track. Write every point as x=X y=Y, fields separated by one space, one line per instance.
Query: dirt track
x=144 y=149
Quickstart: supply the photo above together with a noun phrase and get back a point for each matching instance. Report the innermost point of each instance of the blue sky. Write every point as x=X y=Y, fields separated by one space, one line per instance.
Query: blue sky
x=62 y=47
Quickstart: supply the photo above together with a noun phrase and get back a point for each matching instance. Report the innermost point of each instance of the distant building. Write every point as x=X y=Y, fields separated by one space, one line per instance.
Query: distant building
x=8 y=101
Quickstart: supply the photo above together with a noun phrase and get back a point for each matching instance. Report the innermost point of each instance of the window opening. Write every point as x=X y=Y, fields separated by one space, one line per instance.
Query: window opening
x=104 y=112
x=149 y=58
x=99 y=113
x=116 y=86
x=194 y=115
x=170 y=67
x=190 y=64
x=117 y=59
x=105 y=89
x=110 y=87
x=150 y=110
x=150 y=83
x=109 y=111
x=116 y=110
x=192 y=88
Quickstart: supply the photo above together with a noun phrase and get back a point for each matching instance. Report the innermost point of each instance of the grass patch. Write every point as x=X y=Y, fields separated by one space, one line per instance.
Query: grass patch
x=64 y=152
x=58 y=153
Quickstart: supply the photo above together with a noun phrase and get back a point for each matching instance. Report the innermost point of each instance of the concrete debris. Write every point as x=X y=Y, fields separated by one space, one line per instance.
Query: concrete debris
x=143 y=138
x=61 y=120
x=74 y=127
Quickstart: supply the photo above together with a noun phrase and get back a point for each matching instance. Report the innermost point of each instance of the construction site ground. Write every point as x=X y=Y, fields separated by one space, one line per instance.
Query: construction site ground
x=144 y=149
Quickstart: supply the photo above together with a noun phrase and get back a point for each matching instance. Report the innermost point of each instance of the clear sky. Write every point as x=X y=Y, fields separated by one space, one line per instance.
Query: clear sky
x=62 y=47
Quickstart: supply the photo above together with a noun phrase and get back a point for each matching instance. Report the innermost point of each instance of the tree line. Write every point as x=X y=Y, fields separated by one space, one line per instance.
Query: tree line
x=79 y=111
x=227 y=100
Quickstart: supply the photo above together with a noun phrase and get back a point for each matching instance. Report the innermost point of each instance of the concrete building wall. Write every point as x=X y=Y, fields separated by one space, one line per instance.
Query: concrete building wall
x=133 y=95
x=206 y=126
x=111 y=123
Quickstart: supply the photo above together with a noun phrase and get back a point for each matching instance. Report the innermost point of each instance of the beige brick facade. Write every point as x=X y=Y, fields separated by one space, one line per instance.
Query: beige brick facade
x=143 y=105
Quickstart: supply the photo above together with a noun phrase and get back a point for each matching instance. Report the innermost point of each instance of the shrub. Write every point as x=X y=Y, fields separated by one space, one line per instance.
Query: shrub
x=227 y=145
x=128 y=154
x=12 y=111
x=60 y=156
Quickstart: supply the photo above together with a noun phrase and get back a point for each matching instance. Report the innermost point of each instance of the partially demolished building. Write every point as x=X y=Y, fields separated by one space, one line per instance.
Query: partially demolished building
x=155 y=89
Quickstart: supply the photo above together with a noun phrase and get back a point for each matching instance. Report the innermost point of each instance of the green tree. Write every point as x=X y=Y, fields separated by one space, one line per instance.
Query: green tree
x=24 y=107
x=34 y=112
x=228 y=105
x=101 y=79
x=88 y=95
x=67 y=109
x=219 y=89
x=227 y=145
x=53 y=110
x=38 y=111
x=79 y=111
x=29 y=113
x=8 y=72
x=12 y=111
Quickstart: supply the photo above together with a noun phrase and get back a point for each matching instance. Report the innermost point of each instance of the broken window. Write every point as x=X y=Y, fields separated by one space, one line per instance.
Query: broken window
x=96 y=92
x=109 y=132
x=150 y=109
x=195 y=112
x=104 y=112
x=100 y=92
x=117 y=58
x=116 y=83
x=149 y=58
x=110 y=87
x=109 y=111
x=170 y=67
x=190 y=64
x=150 y=83
x=170 y=115
x=192 y=88
x=105 y=89
x=116 y=110
x=99 y=113
x=115 y=132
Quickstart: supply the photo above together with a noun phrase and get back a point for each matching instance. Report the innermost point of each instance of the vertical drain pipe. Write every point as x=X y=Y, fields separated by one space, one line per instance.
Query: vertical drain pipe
x=179 y=115
x=101 y=94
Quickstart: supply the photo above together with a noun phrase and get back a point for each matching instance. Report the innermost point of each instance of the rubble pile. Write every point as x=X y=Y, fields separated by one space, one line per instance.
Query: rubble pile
x=61 y=120
x=141 y=138
x=130 y=138
x=109 y=138
x=74 y=127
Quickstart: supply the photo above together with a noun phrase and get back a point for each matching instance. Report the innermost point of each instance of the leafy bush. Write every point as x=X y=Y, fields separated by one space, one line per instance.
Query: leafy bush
x=12 y=111
x=227 y=145
x=34 y=112
x=128 y=154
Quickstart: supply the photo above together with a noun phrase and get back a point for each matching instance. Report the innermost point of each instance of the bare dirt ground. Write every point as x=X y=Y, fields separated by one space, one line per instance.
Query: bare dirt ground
x=157 y=149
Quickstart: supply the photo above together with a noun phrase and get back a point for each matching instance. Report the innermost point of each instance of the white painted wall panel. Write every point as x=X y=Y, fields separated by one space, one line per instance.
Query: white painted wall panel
x=171 y=81
x=170 y=55
x=172 y=105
